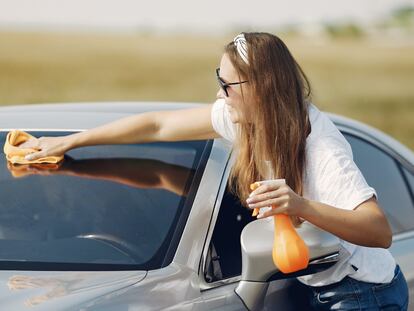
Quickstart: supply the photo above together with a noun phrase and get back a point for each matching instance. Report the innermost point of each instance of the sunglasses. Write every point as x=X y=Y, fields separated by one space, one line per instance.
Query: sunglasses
x=224 y=85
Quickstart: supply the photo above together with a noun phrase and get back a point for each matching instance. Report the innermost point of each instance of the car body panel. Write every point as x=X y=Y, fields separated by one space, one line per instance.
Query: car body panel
x=60 y=290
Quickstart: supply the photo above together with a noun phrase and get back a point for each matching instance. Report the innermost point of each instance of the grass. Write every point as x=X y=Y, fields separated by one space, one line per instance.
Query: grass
x=369 y=80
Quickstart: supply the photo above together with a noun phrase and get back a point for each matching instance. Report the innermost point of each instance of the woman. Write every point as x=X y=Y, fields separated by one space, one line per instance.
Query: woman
x=263 y=108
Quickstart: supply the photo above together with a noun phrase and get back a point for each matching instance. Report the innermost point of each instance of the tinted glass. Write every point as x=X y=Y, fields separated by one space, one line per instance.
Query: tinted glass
x=118 y=205
x=382 y=172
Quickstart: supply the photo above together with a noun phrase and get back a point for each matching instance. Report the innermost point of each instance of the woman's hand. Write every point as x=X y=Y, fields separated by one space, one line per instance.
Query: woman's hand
x=277 y=194
x=46 y=146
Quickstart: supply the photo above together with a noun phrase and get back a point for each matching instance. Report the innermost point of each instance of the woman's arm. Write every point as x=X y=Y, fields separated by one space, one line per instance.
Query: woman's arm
x=185 y=124
x=365 y=225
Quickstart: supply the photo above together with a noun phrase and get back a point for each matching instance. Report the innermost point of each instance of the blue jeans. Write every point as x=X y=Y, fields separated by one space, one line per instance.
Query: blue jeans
x=350 y=294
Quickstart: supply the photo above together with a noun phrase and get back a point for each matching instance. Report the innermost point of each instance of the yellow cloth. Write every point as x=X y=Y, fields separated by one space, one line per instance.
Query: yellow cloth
x=16 y=155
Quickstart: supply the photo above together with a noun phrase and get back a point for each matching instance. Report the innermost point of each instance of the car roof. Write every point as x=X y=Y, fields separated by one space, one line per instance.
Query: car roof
x=76 y=116
x=115 y=106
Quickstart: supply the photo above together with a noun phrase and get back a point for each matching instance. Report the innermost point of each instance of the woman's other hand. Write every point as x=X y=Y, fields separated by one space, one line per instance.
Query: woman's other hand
x=278 y=194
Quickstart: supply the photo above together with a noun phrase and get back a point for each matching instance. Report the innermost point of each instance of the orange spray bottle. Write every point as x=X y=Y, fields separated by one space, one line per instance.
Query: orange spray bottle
x=290 y=252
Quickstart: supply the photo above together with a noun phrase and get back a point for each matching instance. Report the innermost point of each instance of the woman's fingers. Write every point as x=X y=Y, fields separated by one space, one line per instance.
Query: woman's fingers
x=268 y=195
x=31 y=143
x=268 y=185
x=277 y=194
x=45 y=146
x=270 y=202
x=34 y=156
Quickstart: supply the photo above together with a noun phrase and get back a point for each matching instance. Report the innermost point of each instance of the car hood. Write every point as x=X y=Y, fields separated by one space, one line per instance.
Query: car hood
x=61 y=290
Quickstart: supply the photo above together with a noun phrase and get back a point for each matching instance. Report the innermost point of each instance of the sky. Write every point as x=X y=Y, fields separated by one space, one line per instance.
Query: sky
x=186 y=15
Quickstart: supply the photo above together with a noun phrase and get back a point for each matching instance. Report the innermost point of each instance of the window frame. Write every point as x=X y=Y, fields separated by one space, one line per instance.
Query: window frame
x=204 y=285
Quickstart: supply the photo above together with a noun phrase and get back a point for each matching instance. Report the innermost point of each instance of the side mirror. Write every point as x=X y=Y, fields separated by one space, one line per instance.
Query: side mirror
x=258 y=268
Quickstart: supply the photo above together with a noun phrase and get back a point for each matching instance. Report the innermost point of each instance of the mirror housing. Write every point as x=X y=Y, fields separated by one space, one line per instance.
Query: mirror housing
x=258 y=268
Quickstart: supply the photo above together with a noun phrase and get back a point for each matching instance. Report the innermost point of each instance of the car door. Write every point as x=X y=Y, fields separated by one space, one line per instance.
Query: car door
x=223 y=264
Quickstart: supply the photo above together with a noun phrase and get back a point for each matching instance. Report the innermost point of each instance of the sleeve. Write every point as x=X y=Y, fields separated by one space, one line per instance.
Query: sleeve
x=334 y=178
x=221 y=121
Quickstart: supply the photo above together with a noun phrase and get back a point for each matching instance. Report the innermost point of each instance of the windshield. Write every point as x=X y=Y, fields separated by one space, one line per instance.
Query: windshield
x=102 y=208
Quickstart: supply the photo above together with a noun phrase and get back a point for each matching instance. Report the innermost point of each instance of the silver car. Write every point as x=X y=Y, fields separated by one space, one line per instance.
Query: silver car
x=154 y=226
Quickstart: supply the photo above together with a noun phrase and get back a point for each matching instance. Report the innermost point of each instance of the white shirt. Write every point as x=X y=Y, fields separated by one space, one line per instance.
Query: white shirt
x=331 y=177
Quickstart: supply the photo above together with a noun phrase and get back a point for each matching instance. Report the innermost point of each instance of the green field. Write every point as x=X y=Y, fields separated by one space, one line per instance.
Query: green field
x=366 y=79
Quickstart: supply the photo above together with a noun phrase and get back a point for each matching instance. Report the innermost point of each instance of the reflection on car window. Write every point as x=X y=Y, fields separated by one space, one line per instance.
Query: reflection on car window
x=105 y=205
x=382 y=172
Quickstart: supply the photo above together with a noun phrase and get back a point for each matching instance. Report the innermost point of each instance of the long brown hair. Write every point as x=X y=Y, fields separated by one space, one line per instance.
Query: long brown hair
x=277 y=130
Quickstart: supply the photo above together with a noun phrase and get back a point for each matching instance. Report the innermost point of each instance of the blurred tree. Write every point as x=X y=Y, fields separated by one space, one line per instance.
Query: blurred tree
x=404 y=16
x=348 y=30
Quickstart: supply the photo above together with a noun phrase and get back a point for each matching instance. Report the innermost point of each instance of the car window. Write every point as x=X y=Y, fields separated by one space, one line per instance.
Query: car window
x=382 y=173
x=103 y=207
x=224 y=258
